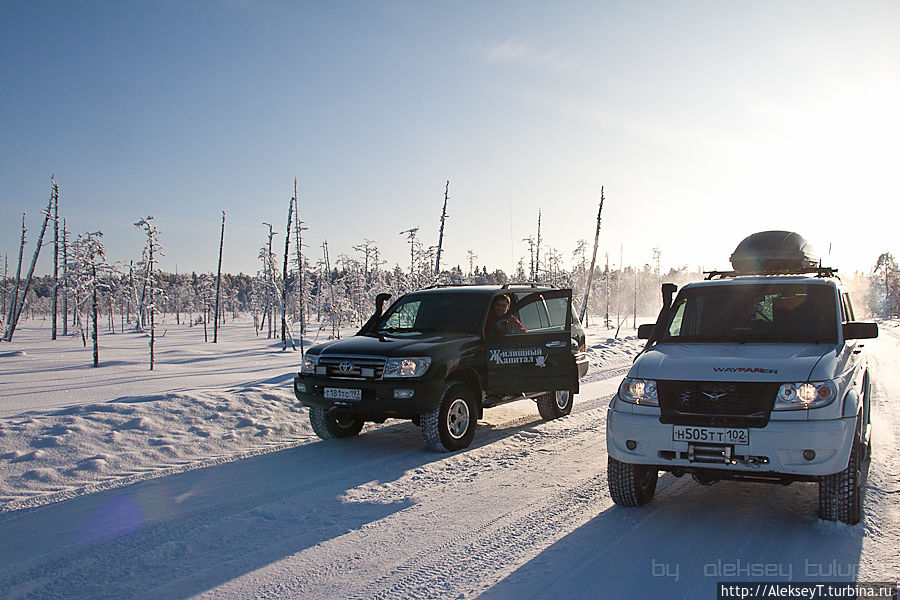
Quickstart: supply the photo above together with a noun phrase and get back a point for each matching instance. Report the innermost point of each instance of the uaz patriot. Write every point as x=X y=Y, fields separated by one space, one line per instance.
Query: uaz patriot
x=756 y=374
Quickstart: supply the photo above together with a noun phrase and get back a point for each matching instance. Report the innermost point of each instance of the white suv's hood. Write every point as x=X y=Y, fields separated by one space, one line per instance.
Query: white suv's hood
x=737 y=362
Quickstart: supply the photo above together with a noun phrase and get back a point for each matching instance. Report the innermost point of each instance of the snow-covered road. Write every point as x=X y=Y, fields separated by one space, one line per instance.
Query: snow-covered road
x=523 y=513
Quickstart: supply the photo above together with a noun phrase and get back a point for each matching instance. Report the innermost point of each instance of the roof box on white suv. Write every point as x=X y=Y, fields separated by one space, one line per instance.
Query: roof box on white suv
x=774 y=252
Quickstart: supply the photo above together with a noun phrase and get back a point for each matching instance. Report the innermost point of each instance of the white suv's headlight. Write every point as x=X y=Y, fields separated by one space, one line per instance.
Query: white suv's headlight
x=639 y=391
x=309 y=364
x=805 y=395
x=406 y=367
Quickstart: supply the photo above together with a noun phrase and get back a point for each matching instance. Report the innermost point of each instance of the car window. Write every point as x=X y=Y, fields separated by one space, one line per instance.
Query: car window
x=542 y=315
x=533 y=316
x=557 y=309
x=754 y=313
x=404 y=317
x=454 y=313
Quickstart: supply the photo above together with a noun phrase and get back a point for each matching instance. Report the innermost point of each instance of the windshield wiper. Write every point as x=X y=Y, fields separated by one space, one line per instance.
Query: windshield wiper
x=815 y=339
x=408 y=330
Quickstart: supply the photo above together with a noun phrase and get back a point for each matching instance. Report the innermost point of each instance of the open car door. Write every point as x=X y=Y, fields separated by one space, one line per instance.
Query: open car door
x=540 y=359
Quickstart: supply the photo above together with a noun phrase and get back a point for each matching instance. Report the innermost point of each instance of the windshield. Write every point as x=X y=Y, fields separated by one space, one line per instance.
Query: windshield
x=455 y=313
x=754 y=313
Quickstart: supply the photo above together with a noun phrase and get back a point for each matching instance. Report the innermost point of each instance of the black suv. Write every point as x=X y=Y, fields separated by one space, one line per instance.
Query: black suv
x=428 y=358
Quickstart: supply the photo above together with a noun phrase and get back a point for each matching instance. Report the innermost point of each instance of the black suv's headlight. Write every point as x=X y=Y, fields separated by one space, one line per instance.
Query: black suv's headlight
x=639 y=391
x=805 y=395
x=406 y=367
x=309 y=364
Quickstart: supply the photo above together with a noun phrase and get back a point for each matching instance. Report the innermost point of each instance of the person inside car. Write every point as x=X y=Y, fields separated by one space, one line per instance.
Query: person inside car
x=500 y=311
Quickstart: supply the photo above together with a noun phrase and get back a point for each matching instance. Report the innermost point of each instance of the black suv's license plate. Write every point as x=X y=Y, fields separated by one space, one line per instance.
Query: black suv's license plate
x=343 y=393
x=711 y=435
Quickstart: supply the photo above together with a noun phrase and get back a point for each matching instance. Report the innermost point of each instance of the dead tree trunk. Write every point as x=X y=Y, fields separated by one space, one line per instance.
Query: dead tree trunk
x=15 y=298
x=284 y=279
x=94 y=339
x=37 y=251
x=54 y=301
x=270 y=278
x=218 y=282
x=65 y=310
x=537 y=251
x=606 y=276
x=298 y=232
x=437 y=262
x=5 y=280
x=587 y=286
x=152 y=306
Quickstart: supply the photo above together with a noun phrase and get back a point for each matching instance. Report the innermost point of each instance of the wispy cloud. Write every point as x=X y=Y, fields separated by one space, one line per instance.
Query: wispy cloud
x=513 y=51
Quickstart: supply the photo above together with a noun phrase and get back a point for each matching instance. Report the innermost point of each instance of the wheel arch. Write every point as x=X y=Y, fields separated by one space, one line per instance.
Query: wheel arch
x=471 y=379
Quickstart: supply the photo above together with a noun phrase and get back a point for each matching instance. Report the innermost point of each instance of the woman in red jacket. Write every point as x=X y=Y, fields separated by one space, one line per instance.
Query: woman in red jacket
x=500 y=311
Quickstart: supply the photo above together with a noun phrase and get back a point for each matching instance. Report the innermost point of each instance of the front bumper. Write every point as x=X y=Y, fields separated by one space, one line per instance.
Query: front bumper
x=774 y=449
x=378 y=397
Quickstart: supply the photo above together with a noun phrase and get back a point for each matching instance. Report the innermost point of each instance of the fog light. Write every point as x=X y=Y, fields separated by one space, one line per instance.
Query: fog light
x=403 y=393
x=631 y=444
x=809 y=454
x=301 y=387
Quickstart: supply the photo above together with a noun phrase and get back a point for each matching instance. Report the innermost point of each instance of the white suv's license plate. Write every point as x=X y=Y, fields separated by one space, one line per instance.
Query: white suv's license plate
x=711 y=435
x=343 y=393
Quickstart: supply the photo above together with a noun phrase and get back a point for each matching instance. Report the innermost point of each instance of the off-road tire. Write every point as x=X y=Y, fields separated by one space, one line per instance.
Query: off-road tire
x=451 y=425
x=841 y=494
x=553 y=405
x=630 y=485
x=328 y=425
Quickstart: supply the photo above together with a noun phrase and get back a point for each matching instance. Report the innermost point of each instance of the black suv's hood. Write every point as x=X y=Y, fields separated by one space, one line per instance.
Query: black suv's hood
x=385 y=345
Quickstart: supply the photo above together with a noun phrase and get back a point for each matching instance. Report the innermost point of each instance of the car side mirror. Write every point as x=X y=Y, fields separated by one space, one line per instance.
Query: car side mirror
x=857 y=330
x=644 y=331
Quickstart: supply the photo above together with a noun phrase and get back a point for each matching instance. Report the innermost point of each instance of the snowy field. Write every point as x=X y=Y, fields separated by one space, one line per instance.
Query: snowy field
x=203 y=479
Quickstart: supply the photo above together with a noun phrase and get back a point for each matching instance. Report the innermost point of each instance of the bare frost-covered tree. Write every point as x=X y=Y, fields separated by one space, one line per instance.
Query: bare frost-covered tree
x=302 y=293
x=14 y=317
x=886 y=273
x=7 y=336
x=219 y=282
x=590 y=276
x=91 y=273
x=153 y=250
x=55 y=265
x=444 y=215
x=284 y=280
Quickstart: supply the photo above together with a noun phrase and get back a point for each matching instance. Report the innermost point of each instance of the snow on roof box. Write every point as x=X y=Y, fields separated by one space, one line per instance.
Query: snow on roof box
x=774 y=252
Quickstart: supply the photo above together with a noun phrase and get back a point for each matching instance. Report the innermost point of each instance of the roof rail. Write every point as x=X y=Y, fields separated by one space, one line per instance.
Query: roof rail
x=443 y=285
x=533 y=284
x=819 y=271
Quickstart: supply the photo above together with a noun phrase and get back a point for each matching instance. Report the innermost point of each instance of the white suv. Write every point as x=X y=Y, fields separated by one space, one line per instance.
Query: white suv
x=754 y=374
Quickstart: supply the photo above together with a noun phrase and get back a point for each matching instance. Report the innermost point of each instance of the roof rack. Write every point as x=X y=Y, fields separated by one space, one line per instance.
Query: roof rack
x=819 y=271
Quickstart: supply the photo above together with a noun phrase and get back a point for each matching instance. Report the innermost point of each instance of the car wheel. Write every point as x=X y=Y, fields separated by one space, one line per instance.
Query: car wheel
x=329 y=425
x=841 y=494
x=451 y=425
x=553 y=405
x=630 y=485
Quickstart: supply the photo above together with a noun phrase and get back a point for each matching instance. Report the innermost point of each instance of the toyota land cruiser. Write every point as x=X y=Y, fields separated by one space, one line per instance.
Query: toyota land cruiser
x=429 y=359
x=754 y=374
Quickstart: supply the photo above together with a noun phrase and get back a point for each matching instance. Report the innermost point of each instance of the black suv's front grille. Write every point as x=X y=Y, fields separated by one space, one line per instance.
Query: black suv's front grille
x=350 y=367
x=716 y=403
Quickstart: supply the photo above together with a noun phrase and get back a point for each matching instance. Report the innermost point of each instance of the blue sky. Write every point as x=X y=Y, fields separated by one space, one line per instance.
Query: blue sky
x=705 y=121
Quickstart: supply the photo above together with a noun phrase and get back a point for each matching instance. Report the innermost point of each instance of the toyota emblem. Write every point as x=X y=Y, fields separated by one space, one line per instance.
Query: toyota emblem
x=345 y=366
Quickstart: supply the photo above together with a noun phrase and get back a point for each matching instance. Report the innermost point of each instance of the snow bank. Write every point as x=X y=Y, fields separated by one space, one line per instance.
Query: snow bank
x=204 y=404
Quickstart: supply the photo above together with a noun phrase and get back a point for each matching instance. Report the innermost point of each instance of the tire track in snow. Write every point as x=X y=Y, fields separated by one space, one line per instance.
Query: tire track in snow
x=497 y=536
